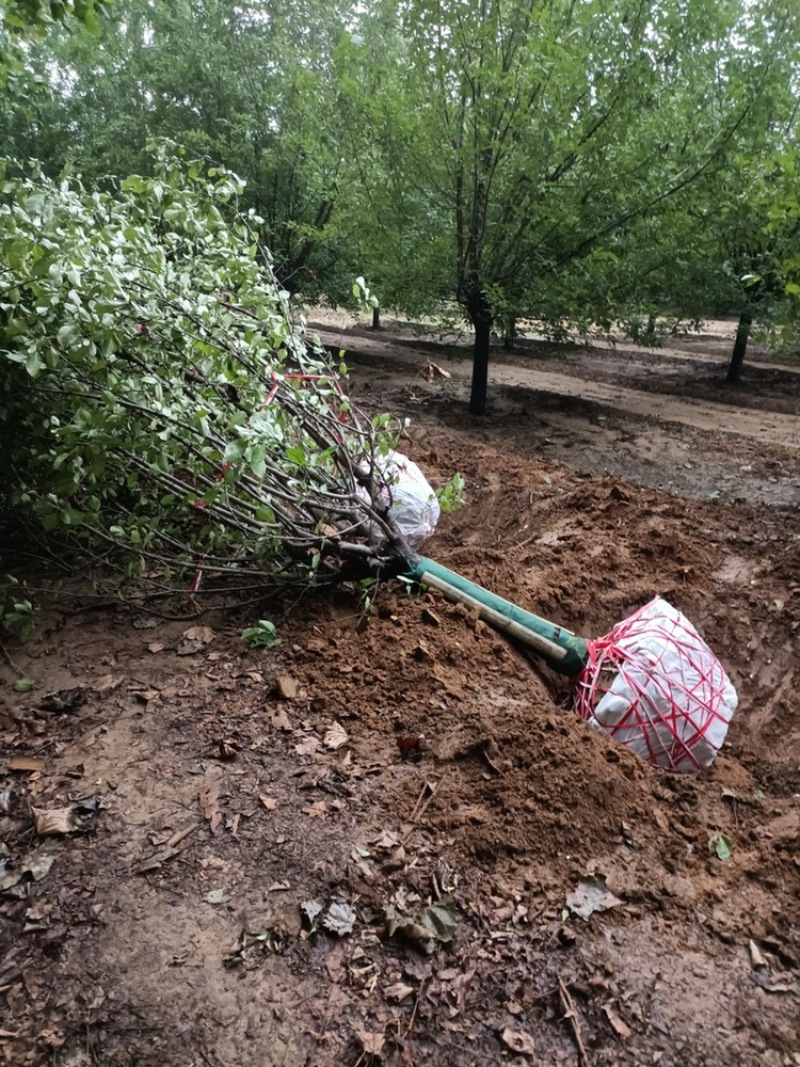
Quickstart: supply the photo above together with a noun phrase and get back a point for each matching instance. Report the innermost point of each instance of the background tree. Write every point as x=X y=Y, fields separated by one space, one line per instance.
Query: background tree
x=487 y=158
x=515 y=141
x=246 y=84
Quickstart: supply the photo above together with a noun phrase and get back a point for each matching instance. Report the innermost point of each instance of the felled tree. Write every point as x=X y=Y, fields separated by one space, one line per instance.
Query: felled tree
x=158 y=395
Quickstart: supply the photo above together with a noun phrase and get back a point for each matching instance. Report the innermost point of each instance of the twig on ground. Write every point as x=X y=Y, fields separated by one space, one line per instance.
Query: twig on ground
x=420 y=991
x=571 y=1014
x=11 y=663
x=420 y=808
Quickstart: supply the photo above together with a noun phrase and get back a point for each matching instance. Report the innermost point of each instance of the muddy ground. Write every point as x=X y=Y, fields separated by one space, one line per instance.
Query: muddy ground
x=412 y=757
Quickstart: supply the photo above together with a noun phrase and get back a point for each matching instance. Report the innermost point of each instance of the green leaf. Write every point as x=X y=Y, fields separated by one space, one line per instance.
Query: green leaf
x=297 y=456
x=263 y=635
x=721 y=845
x=24 y=685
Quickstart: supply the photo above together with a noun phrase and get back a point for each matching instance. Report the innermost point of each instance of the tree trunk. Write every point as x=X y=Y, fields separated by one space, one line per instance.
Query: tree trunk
x=481 y=316
x=509 y=334
x=739 y=348
x=376 y=319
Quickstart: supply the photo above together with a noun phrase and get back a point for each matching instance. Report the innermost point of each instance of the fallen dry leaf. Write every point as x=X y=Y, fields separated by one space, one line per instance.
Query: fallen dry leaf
x=618 y=1026
x=311 y=910
x=387 y=839
x=146 y=695
x=108 y=683
x=209 y=805
x=335 y=737
x=518 y=1041
x=280 y=720
x=307 y=747
x=54 y=821
x=756 y=956
x=278 y=887
x=217 y=896
x=270 y=803
x=432 y=371
x=52 y=1038
x=339 y=919
x=398 y=991
x=591 y=895
x=316 y=810
x=200 y=633
x=156 y=646
x=26 y=763
x=37 y=864
x=371 y=1043
x=286 y=687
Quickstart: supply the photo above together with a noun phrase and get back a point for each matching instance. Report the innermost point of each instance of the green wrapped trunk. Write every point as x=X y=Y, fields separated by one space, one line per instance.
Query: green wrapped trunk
x=562 y=649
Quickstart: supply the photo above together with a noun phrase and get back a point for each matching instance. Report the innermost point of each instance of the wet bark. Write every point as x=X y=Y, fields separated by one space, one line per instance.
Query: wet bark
x=481 y=317
x=734 y=375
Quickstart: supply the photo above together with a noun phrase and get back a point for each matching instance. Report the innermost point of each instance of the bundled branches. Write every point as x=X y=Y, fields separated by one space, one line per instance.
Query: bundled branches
x=164 y=400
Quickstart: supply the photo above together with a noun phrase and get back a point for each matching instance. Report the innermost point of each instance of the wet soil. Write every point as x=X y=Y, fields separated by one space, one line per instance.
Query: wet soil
x=411 y=755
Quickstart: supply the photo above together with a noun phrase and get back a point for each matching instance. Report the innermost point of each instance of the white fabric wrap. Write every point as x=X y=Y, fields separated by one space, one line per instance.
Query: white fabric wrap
x=671 y=701
x=411 y=500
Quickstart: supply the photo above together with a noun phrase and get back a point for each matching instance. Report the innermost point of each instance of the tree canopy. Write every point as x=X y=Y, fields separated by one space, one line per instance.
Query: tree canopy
x=495 y=159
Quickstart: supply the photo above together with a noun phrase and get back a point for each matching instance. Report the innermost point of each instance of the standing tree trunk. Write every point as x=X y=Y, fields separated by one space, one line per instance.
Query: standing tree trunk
x=509 y=333
x=739 y=348
x=481 y=317
x=376 y=318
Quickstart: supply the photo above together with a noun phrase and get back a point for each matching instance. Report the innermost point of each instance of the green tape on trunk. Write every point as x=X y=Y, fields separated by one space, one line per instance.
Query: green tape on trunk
x=562 y=649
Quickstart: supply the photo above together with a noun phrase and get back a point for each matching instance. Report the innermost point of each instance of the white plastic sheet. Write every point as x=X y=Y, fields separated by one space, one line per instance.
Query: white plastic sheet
x=654 y=685
x=411 y=501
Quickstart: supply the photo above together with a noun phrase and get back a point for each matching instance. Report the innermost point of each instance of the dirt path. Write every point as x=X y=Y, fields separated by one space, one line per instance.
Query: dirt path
x=763 y=426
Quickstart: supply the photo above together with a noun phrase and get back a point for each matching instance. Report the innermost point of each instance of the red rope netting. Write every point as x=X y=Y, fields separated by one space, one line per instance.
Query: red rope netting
x=654 y=685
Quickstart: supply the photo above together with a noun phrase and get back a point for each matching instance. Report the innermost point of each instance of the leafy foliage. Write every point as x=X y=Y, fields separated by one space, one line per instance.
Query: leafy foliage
x=16 y=611
x=262 y=635
x=24 y=20
x=451 y=495
x=163 y=400
x=482 y=159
